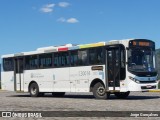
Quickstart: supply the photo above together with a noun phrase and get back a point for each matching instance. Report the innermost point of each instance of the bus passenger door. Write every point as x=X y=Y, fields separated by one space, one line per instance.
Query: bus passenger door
x=18 y=74
x=113 y=68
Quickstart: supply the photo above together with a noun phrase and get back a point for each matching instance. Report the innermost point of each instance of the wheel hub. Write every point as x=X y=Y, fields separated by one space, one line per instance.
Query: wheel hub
x=101 y=90
x=33 y=90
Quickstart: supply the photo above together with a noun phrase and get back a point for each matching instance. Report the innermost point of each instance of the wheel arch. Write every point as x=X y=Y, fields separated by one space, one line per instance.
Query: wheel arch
x=94 y=82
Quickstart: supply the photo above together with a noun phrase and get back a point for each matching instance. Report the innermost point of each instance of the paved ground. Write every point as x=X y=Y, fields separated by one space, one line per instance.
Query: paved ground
x=11 y=101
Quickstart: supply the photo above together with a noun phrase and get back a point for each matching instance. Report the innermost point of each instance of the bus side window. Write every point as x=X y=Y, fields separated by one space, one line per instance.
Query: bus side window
x=99 y=55
x=31 y=62
x=95 y=56
x=56 y=62
x=92 y=56
x=74 y=58
x=45 y=60
x=65 y=59
x=82 y=57
x=8 y=64
x=27 y=63
x=49 y=61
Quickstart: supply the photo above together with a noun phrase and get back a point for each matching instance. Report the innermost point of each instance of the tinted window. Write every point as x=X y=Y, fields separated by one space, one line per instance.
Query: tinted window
x=31 y=62
x=8 y=64
x=95 y=56
x=65 y=59
x=82 y=57
x=74 y=58
x=61 y=59
x=45 y=61
x=19 y=65
x=56 y=61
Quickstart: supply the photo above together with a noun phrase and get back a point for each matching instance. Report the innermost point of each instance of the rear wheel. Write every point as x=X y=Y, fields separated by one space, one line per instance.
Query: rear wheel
x=99 y=91
x=122 y=95
x=34 y=90
x=58 y=94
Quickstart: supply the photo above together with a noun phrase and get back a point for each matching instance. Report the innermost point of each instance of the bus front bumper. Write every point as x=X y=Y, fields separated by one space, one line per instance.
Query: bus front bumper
x=147 y=87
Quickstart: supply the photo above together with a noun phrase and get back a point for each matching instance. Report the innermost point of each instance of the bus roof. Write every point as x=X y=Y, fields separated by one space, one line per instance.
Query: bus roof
x=64 y=48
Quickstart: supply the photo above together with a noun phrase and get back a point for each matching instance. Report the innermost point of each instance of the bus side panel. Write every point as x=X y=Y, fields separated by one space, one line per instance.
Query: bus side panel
x=7 y=81
x=79 y=77
x=61 y=81
x=43 y=77
x=98 y=74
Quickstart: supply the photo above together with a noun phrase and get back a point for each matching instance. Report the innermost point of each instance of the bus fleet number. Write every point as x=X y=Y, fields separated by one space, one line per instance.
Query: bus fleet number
x=84 y=73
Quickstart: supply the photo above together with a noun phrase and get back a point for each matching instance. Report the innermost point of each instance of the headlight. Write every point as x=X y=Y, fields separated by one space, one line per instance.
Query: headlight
x=133 y=79
x=137 y=81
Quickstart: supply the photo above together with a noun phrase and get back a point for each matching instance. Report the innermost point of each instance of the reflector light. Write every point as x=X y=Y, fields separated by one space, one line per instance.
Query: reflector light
x=63 y=49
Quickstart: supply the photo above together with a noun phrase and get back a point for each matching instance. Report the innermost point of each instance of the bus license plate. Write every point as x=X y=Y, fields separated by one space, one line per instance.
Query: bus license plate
x=148 y=86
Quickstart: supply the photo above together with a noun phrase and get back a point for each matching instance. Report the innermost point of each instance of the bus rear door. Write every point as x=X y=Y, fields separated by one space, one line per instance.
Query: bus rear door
x=18 y=74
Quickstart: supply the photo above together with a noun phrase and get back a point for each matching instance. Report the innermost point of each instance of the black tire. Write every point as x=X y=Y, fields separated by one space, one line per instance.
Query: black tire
x=34 y=90
x=122 y=95
x=58 y=94
x=99 y=91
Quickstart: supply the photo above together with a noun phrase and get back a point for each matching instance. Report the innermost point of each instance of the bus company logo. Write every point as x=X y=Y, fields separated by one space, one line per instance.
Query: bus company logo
x=36 y=75
x=6 y=114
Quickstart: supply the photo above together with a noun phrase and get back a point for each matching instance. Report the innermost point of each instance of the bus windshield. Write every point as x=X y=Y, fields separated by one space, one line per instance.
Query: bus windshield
x=140 y=59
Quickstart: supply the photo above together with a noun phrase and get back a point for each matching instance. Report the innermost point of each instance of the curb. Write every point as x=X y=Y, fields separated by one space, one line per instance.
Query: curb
x=154 y=90
x=2 y=90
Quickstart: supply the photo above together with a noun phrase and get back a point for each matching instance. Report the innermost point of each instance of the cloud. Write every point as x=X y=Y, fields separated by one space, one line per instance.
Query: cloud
x=72 y=20
x=61 y=19
x=47 y=8
x=50 y=5
x=63 y=4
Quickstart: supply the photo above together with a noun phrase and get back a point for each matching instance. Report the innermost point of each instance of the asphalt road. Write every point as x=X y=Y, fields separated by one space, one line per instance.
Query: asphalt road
x=137 y=101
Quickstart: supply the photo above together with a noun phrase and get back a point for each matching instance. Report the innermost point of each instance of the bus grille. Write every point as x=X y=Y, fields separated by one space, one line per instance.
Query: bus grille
x=147 y=81
x=146 y=87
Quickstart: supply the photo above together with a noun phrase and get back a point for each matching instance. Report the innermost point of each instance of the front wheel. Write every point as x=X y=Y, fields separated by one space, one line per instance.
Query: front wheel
x=99 y=91
x=122 y=95
x=34 y=90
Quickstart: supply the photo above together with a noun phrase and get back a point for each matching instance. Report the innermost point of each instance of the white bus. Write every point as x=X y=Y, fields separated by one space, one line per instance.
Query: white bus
x=104 y=68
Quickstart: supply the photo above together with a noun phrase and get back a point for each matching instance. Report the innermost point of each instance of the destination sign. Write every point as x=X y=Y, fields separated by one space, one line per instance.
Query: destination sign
x=141 y=43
